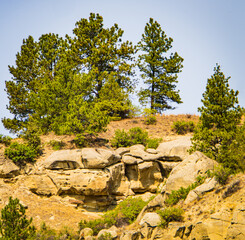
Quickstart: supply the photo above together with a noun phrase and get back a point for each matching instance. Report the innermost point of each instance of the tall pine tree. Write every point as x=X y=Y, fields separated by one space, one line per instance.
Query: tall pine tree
x=220 y=116
x=159 y=68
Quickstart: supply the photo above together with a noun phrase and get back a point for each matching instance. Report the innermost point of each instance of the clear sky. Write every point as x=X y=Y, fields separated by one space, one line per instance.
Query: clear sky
x=205 y=32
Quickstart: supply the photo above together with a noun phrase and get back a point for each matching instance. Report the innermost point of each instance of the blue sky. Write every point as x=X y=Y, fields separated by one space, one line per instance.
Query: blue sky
x=205 y=32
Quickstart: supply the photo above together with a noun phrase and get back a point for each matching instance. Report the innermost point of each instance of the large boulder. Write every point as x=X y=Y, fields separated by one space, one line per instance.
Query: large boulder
x=185 y=173
x=38 y=184
x=207 y=186
x=145 y=176
x=152 y=219
x=119 y=184
x=93 y=158
x=175 y=150
x=64 y=160
x=81 y=182
x=7 y=168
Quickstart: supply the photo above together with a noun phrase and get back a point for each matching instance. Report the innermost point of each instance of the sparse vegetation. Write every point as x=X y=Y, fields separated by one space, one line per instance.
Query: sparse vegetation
x=153 y=142
x=56 y=145
x=149 y=115
x=20 y=153
x=134 y=136
x=125 y=213
x=170 y=214
x=183 y=127
x=222 y=174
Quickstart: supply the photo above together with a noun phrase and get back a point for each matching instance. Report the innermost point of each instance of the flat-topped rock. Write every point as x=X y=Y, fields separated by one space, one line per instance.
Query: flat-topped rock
x=94 y=158
x=175 y=150
x=64 y=159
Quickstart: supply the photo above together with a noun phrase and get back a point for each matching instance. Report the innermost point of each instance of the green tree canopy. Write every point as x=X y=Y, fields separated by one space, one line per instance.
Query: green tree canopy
x=71 y=85
x=159 y=68
x=220 y=116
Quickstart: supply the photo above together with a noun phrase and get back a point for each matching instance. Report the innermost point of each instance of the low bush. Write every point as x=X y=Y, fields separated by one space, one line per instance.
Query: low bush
x=121 y=139
x=6 y=140
x=105 y=236
x=46 y=232
x=20 y=153
x=56 y=145
x=153 y=142
x=170 y=214
x=182 y=127
x=134 y=136
x=125 y=213
x=80 y=140
x=138 y=136
x=222 y=174
x=149 y=115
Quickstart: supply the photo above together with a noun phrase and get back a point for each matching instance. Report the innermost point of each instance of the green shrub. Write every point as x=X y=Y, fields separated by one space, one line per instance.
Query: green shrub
x=105 y=236
x=222 y=174
x=80 y=140
x=170 y=214
x=134 y=136
x=20 y=153
x=125 y=213
x=182 y=127
x=153 y=142
x=6 y=140
x=56 y=145
x=121 y=139
x=138 y=136
x=149 y=115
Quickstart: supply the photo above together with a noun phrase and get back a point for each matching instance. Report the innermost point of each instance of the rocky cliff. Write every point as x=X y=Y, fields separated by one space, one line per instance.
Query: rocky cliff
x=69 y=185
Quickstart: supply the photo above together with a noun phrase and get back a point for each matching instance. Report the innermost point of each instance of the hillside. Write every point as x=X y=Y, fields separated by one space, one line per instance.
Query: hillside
x=68 y=185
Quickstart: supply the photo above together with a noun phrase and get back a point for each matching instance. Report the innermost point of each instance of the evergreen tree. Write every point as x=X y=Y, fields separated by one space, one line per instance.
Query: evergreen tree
x=220 y=116
x=52 y=75
x=23 y=83
x=13 y=223
x=159 y=69
x=101 y=52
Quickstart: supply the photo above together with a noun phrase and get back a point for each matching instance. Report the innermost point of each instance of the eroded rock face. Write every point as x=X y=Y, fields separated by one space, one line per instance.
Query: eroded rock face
x=185 y=173
x=7 y=168
x=98 y=158
x=64 y=160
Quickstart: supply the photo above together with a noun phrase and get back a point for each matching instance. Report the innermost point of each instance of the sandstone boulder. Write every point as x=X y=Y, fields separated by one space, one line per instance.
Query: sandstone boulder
x=7 y=168
x=81 y=182
x=197 y=193
x=138 y=151
x=86 y=232
x=175 y=150
x=98 y=158
x=39 y=184
x=130 y=235
x=185 y=173
x=151 y=218
x=64 y=159
x=145 y=176
x=119 y=184
x=110 y=233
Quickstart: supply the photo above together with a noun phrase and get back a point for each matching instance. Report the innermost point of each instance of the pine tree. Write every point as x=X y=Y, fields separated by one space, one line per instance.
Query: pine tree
x=159 y=68
x=101 y=52
x=13 y=223
x=220 y=116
